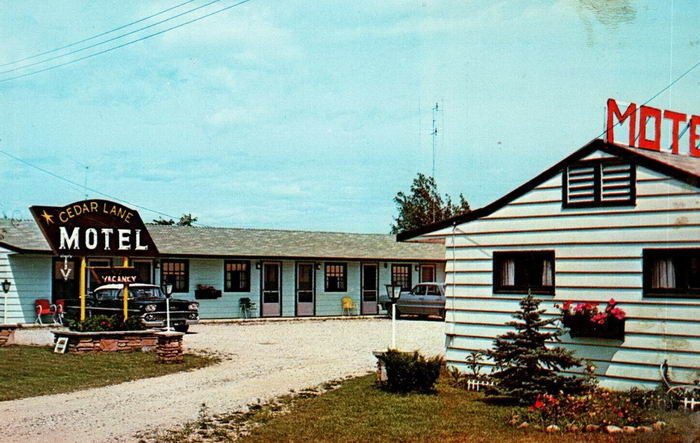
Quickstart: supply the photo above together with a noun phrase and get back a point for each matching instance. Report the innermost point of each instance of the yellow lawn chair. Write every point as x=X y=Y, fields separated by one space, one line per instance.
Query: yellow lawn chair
x=348 y=305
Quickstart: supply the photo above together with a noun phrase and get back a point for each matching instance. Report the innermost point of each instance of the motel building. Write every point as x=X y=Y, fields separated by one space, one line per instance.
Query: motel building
x=283 y=273
x=608 y=221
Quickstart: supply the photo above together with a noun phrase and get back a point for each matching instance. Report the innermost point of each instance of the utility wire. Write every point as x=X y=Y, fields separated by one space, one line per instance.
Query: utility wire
x=96 y=191
x=85 y=48
x=95 y=36
x=126 y=43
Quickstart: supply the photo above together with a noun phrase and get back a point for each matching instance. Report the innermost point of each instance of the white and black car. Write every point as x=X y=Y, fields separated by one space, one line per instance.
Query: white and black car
x=146 y=301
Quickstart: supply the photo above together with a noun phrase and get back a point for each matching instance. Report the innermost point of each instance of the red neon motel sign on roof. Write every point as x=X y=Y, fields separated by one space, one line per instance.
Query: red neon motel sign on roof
x=641 y=116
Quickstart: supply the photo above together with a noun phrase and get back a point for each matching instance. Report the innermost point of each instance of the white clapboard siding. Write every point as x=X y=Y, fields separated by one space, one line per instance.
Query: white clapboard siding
x=598 y=256
x=31 y=279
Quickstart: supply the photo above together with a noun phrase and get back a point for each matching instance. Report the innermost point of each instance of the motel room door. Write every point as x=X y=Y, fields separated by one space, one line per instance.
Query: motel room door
x=271 y=289
x=305 y=289
x=369 y=289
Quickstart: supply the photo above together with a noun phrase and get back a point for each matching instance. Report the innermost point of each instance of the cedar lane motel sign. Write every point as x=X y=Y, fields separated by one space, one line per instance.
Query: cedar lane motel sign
x=96 y=228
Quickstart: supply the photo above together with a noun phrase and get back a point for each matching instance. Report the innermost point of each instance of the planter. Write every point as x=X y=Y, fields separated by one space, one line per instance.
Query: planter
x=207 y=294
x=582 y=326
x=108 y=341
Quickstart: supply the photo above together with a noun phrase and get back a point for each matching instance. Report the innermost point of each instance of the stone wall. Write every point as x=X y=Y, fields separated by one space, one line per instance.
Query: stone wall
x=123 y=341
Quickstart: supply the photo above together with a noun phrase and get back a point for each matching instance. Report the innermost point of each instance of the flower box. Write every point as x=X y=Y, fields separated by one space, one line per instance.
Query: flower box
x=206 y=293
x=582 y=326
x=586 y=320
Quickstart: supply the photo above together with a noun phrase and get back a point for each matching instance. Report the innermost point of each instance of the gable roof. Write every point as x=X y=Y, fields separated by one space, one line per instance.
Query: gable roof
x=681 y=167
x=186 y=241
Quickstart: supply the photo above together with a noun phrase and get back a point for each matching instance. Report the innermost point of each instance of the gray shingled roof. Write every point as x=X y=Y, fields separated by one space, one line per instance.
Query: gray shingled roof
x=197 y=241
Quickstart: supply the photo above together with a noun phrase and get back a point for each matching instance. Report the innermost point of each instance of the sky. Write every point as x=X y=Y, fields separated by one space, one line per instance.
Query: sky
x=312 y=115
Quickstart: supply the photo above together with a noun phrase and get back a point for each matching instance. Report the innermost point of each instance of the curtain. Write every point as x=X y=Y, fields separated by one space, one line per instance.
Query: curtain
x=508 y=272
x=663 y=274
x=547 y=273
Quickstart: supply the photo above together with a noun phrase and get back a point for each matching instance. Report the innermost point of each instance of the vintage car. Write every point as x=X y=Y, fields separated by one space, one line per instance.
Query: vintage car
x=424 y=299
x=146 y=301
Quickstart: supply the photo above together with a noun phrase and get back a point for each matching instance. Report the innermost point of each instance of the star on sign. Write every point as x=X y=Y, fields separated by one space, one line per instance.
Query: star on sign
x=47 y=217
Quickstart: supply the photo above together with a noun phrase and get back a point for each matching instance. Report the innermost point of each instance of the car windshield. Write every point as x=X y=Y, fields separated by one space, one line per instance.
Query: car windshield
x=116 y=294
x=433 y=290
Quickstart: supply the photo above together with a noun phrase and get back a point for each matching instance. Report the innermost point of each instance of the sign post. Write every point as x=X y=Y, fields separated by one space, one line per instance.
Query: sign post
x=82 y=288
x=95 y=228
x=125 y=292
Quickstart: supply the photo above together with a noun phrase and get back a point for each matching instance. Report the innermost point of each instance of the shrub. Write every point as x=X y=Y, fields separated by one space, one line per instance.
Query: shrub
x=410 y=372
x=527 y=365
x=98 y=323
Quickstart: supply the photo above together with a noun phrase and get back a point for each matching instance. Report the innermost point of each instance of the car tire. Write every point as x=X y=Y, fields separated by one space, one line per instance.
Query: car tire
x=182 y=328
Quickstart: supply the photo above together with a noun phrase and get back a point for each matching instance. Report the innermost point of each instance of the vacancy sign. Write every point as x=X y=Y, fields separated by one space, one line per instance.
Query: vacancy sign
x=94 y=228
x=644 y=128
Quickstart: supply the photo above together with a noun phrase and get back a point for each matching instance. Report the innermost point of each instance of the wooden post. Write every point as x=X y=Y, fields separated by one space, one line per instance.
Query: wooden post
x=82 y=289
x=125 y=264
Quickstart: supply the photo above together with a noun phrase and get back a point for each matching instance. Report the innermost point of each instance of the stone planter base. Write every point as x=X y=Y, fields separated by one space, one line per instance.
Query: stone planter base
x=108 y=341
x=169 y=349
x=7 y=334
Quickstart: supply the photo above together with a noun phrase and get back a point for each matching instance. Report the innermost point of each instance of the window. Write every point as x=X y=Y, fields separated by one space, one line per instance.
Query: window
x=427 y=273
x=143 y=271
x=671 y=272
x=518 y=272
x=336 y=277
x=237 y=276
x=401 y=275
x=609 y=182
x=176 y=271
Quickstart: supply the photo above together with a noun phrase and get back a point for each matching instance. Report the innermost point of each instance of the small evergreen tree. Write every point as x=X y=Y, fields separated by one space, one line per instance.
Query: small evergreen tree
x=525 y=365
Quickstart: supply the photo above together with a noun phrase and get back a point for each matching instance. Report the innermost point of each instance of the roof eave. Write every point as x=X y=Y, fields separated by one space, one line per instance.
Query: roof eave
x=501 y=202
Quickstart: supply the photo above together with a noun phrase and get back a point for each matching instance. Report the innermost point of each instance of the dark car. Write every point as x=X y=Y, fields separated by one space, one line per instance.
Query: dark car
x=145 y=300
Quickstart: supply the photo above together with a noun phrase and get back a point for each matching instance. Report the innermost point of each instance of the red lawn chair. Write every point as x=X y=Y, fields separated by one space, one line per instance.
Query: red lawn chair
x=58 y=309
x=42 y=307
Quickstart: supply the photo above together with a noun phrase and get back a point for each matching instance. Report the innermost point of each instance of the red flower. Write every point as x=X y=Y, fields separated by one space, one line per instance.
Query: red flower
x=567 y=305
x=617 y=313
x=599 y=318
x=620 y=414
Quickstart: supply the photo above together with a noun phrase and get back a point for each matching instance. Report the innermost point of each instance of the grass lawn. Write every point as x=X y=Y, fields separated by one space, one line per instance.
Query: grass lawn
x=29 y=371
x=358 y=411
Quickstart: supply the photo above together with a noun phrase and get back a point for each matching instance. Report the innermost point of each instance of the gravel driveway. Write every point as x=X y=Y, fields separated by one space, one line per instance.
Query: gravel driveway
x=262 y=360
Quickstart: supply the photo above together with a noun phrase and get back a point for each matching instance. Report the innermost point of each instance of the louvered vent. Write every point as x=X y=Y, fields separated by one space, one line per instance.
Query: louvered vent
x=581 y=185
x=616 y=182
x=599 y=183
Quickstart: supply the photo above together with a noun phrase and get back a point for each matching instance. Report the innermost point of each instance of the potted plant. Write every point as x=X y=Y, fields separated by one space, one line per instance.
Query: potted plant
x=587 y=320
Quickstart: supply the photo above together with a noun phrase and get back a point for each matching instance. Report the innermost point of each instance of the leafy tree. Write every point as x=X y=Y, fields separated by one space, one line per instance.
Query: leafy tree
x=185 y=220
x=525 y=365
x=424 y=205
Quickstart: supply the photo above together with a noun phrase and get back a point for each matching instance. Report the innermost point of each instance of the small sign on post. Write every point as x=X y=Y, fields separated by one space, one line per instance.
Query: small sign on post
x=61 y=345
